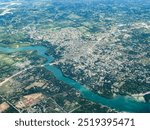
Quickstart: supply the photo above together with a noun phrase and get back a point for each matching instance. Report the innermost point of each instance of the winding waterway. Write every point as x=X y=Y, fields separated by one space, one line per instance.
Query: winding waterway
x=120 y=103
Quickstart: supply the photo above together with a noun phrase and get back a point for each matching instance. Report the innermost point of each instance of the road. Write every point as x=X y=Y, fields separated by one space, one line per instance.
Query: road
x=9 y=78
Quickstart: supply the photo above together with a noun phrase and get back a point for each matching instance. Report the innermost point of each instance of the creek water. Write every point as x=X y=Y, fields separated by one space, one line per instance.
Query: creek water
x=120 y=103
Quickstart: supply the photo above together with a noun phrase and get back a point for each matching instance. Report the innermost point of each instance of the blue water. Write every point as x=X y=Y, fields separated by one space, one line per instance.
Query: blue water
x=120 y=103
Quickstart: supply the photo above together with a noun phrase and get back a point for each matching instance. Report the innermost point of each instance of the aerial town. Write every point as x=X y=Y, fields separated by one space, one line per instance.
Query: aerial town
x=53 y=56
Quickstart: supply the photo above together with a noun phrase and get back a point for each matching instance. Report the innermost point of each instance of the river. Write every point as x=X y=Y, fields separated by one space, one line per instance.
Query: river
x=120 y=103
